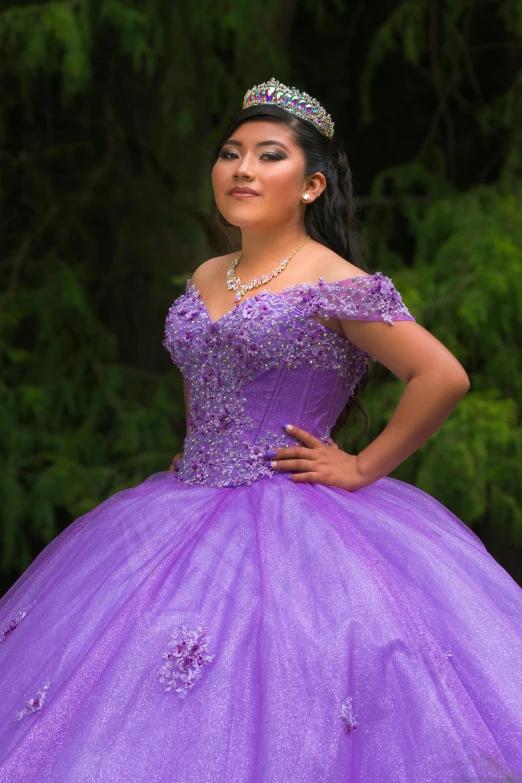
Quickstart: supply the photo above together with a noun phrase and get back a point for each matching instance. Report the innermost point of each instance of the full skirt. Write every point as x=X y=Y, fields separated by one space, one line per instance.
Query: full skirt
x=267 y=633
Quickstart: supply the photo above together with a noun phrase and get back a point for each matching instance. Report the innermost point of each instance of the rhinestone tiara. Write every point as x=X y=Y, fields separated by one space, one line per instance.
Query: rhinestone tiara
x=298 y=103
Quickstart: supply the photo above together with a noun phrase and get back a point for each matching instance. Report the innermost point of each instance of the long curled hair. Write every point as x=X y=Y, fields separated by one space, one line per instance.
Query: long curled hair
x=330 y=219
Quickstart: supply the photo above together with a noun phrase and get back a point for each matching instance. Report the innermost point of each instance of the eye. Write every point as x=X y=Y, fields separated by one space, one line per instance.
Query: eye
x=272 y=156
x=229 y=155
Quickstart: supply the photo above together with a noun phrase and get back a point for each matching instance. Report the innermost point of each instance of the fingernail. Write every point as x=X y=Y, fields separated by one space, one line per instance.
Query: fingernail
x=287 y=475
x=270 y=454
x=273 y=464
x=176 y=464
x=287 y=427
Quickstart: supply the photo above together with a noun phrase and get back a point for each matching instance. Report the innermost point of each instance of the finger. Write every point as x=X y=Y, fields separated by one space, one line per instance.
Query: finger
x=303 y=436
x=291 y=452
x=308 y=478
x=291 y=464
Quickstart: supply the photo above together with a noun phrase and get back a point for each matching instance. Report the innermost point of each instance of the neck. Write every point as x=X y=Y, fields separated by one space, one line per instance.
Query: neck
x=263 y=249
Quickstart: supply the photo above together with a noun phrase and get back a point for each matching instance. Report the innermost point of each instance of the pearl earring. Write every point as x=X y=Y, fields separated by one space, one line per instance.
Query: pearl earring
x=306 y=196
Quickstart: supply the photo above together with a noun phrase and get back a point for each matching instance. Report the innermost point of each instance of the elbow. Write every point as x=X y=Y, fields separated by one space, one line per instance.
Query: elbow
x=451 y=379
x=456 y=378
x=460 y=383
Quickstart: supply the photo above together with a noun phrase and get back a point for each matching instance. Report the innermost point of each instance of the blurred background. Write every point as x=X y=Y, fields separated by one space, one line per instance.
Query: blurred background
x=109 y=111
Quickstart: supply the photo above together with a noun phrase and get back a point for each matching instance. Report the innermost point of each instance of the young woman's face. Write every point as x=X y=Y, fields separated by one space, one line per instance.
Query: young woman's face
x=261 y=156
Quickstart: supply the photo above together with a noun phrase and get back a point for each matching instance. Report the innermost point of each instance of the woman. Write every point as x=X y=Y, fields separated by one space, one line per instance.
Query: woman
x=274 y=609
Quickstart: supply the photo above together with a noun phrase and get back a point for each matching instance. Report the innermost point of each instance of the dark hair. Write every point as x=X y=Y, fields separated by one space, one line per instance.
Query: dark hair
x=330 y=219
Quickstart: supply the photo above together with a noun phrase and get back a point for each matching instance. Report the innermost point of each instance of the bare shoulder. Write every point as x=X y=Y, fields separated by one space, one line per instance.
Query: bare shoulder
x=332 y=267
x=211 y=270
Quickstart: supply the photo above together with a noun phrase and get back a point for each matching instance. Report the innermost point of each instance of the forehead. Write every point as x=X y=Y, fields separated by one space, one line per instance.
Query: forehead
x=254 y=131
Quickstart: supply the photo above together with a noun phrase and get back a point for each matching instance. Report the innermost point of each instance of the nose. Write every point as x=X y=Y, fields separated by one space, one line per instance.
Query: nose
x=244 y=168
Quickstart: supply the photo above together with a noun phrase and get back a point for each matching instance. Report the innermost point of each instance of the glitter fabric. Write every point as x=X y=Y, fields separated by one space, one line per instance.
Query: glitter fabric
x=328 y=636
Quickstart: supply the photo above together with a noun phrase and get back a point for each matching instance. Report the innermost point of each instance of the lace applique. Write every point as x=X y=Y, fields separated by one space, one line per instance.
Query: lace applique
x=347 y=715
x=261 y=350
x=221 y=447
x=262 y=332
x=185 y=660
x=15 y=622
x=32 y=705
x=325 y=437
x=362 y=298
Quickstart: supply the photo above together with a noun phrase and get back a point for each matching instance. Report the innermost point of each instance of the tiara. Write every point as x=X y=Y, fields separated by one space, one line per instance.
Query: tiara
x=298 y=103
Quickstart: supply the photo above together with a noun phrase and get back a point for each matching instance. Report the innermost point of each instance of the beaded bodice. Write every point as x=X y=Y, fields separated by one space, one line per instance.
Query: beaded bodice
x=265 y=363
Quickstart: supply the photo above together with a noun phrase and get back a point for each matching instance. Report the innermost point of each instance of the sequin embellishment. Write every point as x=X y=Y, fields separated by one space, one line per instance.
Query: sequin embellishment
x=347 y=715
x=186 y=659
x=364 y=298
x=15 y=622
x=271 y=347
x=32 y=705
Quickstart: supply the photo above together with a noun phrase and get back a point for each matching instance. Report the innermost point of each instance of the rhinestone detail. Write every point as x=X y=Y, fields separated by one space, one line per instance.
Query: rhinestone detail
x=298 y=103
x=15 y=622
x=348 y=716
x=34 y=704
x=223 y=362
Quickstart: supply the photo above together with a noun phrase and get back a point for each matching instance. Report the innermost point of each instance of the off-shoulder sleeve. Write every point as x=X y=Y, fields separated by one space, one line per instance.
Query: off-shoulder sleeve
x=362 y=298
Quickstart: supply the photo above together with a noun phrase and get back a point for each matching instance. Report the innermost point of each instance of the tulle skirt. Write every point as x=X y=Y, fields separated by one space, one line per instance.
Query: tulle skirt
x=271 y=633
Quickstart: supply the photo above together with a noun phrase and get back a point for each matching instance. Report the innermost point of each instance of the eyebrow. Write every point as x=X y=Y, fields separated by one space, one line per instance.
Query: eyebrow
x=259 y=144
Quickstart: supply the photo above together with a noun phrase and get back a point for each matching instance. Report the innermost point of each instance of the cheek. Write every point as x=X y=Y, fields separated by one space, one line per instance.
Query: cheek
x=215 y=176
x=218 y=179
x=284 y=183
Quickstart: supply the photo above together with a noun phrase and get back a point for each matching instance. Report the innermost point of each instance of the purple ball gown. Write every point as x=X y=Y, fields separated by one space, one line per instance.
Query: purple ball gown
x=224 y=624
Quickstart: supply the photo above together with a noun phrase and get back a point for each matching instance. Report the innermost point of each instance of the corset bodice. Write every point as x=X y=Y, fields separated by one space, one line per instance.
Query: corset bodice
x=265 y=363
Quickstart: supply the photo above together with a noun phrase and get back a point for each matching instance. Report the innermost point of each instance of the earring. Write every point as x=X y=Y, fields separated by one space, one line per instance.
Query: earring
x=306 y=196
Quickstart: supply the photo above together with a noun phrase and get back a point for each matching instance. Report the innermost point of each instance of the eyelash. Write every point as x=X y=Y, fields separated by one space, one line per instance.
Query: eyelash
x=273 y=155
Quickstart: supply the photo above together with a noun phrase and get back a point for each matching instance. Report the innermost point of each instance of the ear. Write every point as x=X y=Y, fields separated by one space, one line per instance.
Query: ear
x=315 y=185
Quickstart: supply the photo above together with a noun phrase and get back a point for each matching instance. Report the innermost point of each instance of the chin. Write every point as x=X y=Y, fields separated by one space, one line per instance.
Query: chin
x=242 y=221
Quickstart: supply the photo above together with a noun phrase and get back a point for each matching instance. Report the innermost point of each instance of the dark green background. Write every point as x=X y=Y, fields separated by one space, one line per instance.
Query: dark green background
x=108 y=114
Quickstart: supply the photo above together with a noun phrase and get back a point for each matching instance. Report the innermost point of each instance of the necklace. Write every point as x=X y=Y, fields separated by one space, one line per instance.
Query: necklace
x=234 y=282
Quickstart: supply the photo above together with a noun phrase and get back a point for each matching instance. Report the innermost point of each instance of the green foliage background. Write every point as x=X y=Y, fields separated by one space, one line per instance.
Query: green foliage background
x=108 y=114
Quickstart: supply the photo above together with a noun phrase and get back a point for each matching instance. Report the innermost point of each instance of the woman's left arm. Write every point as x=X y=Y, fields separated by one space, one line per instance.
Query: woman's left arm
x=435 y=383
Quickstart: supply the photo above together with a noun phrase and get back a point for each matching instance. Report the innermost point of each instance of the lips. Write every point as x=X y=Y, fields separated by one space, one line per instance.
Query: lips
x=243 y=192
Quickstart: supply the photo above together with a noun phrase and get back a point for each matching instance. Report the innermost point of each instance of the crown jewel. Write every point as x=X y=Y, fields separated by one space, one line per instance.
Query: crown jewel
x=298 y=103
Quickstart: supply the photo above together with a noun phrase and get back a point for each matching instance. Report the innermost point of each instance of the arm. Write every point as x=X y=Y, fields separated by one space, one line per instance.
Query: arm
x=435 y=383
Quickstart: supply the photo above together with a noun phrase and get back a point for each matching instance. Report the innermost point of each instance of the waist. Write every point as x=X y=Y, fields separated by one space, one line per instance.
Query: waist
x=219 y=460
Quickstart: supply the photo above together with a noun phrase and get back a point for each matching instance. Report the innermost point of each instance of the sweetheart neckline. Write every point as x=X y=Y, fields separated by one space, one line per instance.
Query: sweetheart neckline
x=267 y=292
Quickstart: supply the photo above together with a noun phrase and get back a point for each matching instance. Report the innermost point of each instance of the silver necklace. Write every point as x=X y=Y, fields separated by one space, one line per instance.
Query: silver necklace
x=234 y=282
